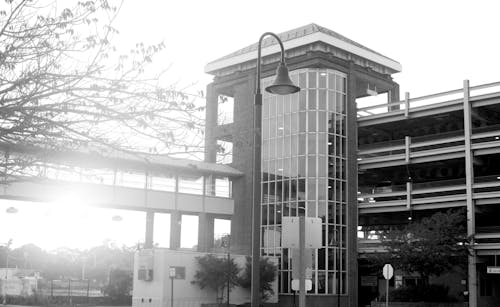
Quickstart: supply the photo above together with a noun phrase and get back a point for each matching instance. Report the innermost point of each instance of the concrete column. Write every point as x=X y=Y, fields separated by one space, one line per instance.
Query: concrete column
x=241 y=226
x=393 y=96
x=205 y=232
x=469 y=181
x=175 y=230
x=150 y=221
x=407 y=104
x=210 y=124
x=352 y=188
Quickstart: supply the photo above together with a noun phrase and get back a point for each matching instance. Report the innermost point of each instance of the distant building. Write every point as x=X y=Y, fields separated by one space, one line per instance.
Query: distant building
x=18 y=282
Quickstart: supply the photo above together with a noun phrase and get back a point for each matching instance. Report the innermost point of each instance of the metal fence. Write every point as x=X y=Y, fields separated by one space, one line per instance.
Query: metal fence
x=68 y=288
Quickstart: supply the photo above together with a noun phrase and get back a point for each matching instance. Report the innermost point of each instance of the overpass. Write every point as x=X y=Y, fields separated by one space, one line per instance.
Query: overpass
x=121 y=180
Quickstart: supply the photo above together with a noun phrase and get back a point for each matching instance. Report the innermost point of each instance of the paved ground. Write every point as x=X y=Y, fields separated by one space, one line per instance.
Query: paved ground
x=57 y=305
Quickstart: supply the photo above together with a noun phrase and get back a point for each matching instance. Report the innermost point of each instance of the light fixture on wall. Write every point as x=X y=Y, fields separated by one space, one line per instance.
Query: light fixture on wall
x=11 y=210
x=371 y=92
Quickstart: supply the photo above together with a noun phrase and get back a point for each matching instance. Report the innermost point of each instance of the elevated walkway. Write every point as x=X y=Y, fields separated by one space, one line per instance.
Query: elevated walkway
x=121 y=180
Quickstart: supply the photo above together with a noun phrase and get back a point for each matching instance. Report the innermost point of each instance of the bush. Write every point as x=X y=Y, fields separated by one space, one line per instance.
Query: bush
x=421 y=293
x=267 y=277
x=215 y=273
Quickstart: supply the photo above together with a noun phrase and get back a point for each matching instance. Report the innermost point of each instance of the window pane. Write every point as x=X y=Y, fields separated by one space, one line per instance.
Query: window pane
x=322 y=79
x=311 y=99
x=322 y=99
x=189 y=231
x=312 y=79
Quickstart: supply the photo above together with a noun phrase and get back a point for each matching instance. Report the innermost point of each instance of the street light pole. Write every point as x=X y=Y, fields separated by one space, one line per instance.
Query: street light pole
x=228 y=245
x=7 y=246
x=338 y=266
x=282 y=85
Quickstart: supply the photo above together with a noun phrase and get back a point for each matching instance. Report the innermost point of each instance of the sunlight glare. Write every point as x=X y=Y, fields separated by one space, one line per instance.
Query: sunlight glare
x=69 y=224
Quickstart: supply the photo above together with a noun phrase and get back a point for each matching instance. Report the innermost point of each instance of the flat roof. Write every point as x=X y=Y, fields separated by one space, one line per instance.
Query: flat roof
x=299 y=37
x=132 y=160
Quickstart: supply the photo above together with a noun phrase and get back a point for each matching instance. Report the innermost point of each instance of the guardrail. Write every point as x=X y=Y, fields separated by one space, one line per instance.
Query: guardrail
x=406 y=105
x=207 y=185
x=431 y=194
x=425 y=147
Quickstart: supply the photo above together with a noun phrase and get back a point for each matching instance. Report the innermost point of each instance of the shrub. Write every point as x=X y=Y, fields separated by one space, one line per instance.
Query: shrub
x=215 y=273
x=267 y=277
x=421 y=293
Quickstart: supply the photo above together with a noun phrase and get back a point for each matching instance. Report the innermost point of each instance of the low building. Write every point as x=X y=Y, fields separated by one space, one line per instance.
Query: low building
x=18 y=282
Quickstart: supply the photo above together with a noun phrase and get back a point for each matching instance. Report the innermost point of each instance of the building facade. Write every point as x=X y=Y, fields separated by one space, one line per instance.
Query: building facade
x=443 y=155
x=304 y=158
x=309 y=164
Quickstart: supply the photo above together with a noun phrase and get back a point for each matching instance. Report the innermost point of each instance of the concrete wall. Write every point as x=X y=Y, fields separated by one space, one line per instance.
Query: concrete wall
x=157 y=293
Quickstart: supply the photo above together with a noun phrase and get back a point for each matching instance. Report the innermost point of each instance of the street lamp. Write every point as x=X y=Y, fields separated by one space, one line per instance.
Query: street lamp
x=282 y=85
x=337 y=243
x=7 y=246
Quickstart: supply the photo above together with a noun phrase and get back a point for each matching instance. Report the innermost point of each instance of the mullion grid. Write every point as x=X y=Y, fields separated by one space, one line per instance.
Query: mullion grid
x=287 y=204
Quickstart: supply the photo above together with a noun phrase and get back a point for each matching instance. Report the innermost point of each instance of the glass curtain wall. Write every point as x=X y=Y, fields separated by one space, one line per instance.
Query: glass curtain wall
x=304 y=172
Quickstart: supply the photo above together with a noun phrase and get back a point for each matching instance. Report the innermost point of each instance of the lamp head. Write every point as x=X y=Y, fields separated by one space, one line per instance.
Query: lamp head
x=282 y=85
x=11 y=210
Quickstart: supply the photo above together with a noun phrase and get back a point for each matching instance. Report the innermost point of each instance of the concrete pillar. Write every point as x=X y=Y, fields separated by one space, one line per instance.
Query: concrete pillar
x=394 y=93
x=241 y=226
x=205 y=232
x=393 y=96
x=175 y=230
x=469 y=181
x=211 y=124
x=352 y=187
x=150 y=219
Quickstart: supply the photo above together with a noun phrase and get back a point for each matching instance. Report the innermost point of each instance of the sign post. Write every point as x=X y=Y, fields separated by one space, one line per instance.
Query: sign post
x=302 y=262
x=387 y=271
x=171 y=273
x=301 y=232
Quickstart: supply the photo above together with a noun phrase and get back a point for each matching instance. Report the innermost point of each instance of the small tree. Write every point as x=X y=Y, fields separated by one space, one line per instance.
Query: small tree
x=267 y=277
x=119 y=286
x=429 y=247
x=215 y=273
x=65 y=86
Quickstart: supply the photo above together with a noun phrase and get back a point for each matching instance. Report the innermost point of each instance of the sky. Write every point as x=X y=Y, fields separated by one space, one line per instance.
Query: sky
x=73 y=224
x=438 y=43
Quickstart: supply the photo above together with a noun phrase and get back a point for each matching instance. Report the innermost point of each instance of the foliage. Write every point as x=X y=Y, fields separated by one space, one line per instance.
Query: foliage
x=429 y=247
x=421 y=293
x=215 y=272
x=64 y=85
x=107 y=264
x=120 y=284
x=267 y=277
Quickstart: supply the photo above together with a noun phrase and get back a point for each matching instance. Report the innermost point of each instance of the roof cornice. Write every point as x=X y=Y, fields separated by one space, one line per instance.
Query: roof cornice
x=241 y=56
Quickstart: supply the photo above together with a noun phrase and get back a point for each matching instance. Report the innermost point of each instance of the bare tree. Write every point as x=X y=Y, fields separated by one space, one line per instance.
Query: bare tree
x=64 y=85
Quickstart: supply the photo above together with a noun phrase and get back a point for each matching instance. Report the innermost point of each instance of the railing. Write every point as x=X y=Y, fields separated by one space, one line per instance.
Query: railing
x=429 y=193
x=440 y=99
x=196 y=185
x=411 y=148
x=483 y=141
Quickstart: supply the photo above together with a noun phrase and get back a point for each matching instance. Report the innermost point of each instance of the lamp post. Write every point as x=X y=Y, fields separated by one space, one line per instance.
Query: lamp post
x=337 y=235
x=7 y=246
x=282 y=85
x=228 y=245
